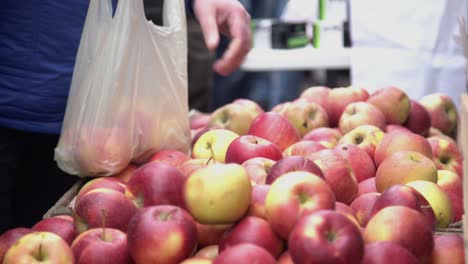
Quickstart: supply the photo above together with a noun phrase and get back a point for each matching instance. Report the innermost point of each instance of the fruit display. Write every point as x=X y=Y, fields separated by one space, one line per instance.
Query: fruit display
x=335 y=176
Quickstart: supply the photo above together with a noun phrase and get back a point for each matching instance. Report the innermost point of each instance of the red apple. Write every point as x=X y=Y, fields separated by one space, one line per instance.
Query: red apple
x=39 y=247
x=292 y=163
x=403 y=167
x=253 y=230
x=285 y=258
x=361 y=113
x=397 y=141
x=257 y=168
x=193 y=164
x=447 y=155
x=245 y=253
x=389 y=128
x=257 y=203
x=250 y=104
x=157 y=183
x=305 y=115
x=114 y=206
x=341 y=97
x=234 y=117
x=450 y=182
x=366 y=137
x=99 y=245
x=448 y=248
x=126 y=173
x=442 y=111
x=404 y=195
x=326 y=136
x=248 y=146
x=170 y=156
x=326 y=237
x=316 y=94
x=419 y=120
x=393 y=102
x=387 y=252
x=360 y=162
x=294 y=195
x=208 y=252
x=102 y=182
x=347 y=211
x=161 y=234
x=414 y=233
x=303 y=148
x=362 y=207
x=275 y=128
x=9 y=237
x=59 y=226
x=367 y=186
x=210 y=234
x=337 y=173
x=457 y=207
x=198 y=119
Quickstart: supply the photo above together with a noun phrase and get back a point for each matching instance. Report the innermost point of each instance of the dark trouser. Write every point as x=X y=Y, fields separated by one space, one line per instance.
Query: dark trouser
x=30 y=181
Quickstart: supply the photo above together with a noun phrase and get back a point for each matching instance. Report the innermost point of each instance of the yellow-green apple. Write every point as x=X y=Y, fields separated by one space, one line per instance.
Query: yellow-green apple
x=306 y=116
x=59 y=226
x=156 y=183
x=275 y=128
x=394 y=127
x=197 y=260
x=294 y=195
x=193 y=164
x=253 y=230
x=210 y=234
x=170 y=156
x=360 y=113
x=292 y=163
x=102 y=182
x=218 y=193
x=337 y=173
x=280 y=108
x=419 y=120
x=101 y=151
x=257 y=168
x=114 y=206
x=447 y=155
x=404 y=226
x=246 y=147
x=442 y=111
x=448 y=248
x=404 y=195
x=9 y=237
x=244 y=253
x=367 y=137
x=450 y=182
x=196 y=134
x=199 y=120
x=457 y=206
x=257 y=203
x=250 y=104
x=359 y=160
x=362 y=207
x=126 y=173
x=403 y=167
x=398 y=141
x=303 y=148
x=39 y=247
x=213 y=144
x=101 y=245
x=393 y=102
x=234 y=117
x=367 y=186
x=161 y=234
x=326 y=136
x=316 y=94
x=285 y=258
x=326 y=237
x=347 y=211
x=208 y=252
x=438 y=200
x=339 y=98
x=386 y=252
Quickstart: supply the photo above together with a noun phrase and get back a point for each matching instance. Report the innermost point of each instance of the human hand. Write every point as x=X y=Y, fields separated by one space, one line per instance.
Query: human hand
x=229 y=18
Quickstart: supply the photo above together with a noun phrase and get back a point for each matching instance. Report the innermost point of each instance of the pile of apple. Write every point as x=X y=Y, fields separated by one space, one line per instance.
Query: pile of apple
x=335 y=176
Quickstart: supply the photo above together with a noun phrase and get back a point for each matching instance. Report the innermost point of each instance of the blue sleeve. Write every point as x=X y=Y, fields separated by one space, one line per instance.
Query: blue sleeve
x=189 y=7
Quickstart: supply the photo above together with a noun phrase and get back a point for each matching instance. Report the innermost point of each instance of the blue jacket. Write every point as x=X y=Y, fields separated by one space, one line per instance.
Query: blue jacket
x=38 y=44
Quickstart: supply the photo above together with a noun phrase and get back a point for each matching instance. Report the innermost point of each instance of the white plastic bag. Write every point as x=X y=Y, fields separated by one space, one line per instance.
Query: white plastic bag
x=128 y=97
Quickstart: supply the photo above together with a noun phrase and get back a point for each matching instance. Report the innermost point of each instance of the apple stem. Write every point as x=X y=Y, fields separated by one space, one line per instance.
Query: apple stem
x=209 y=160
x=212 y=154
x=103 y=221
